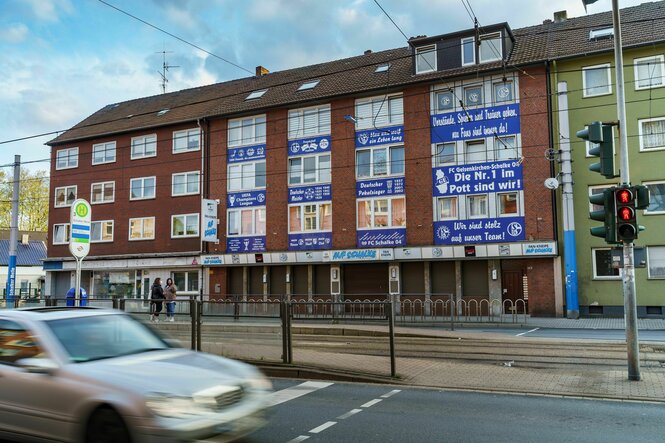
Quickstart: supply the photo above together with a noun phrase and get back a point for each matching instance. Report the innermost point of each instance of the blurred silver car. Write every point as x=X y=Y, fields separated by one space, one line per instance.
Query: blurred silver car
x=95 y=375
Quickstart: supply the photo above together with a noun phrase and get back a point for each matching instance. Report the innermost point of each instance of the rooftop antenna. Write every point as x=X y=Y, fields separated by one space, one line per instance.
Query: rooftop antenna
x=165 y=68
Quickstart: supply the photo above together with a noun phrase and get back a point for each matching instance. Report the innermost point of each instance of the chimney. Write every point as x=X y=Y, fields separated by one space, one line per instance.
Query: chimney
x=260 y=71
x=560 y=16
x=369 y=51
x=25 y=239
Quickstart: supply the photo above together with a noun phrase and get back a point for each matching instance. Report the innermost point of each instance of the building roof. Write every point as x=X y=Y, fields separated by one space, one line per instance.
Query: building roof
x=30 y=254
x=641 y=25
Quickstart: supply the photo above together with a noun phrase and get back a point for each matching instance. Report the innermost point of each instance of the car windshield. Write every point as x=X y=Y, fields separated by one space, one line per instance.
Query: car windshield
x=104 y=336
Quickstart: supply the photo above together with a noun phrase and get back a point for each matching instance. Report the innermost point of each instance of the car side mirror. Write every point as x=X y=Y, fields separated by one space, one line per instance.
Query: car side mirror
x=37 y=365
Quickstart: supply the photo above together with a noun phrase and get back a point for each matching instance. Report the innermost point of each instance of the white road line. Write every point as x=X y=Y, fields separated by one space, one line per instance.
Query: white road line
x=323 y=427
x=371 y=403
x=524 y=333
x=349 y=414
x=298 y=439
x=296 y=391
x=391 y=393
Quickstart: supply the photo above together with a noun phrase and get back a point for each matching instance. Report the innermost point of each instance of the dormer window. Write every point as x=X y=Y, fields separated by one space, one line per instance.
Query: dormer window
x=425 y=59
x=490 y=47
x=468 y=51
x=256 y=94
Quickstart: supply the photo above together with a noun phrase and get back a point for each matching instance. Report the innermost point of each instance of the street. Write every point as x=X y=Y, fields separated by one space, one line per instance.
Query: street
x=573 y=333
x=327 y=412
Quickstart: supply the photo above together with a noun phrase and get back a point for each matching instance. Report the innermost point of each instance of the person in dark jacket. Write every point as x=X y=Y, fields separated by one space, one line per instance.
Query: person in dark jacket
x=156 y=299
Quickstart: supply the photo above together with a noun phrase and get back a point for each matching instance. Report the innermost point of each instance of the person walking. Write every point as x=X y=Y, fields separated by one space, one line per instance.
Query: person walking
x=169 y=293
x=156 y=298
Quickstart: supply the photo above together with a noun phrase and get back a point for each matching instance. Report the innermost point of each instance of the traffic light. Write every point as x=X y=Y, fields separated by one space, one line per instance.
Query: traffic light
x=642 y=196
x=607 y=215
x=603 y=138
x=626 y=214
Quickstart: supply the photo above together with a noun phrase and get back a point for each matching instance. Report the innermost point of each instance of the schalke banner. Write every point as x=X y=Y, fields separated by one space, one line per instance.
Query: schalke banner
x=315 y=193
x=380 y=136
x=381 y=237
x=312 y=145
x=380 y=187
x=501 y=176
x=244 y=199
x=246 y=244
x=247 y=153
x=483 y=230
x=476 y=123
x=310 y=240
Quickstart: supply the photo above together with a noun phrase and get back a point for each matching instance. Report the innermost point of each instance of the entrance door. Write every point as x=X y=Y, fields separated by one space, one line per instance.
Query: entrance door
x=513 y=290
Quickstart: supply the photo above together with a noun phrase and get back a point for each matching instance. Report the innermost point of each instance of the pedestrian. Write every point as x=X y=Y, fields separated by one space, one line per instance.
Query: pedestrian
x=169 y=293
x=156 y=299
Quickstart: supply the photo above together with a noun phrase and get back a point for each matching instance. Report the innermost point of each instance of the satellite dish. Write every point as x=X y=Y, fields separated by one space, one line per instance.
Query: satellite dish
x=551 y=183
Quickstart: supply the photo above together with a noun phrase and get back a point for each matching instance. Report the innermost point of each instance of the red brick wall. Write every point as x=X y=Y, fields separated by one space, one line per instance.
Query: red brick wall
x=217 y=176
x=277 y=232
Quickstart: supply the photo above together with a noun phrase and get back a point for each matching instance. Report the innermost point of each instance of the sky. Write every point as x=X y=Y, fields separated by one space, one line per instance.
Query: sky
x=62 y=60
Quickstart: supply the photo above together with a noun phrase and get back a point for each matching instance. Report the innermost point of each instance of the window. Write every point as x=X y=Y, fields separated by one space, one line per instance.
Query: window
x=249 y=221
x=185 y=225
x=186 y=281
x=593 y=190
x=426 y=59
x=381 y=213
x=142 y=228
x=145 y=146
x=142 y=188
x=379 y=161
x=446 y=208
x=597 y=34
x=61 y=233
x=309 y=122
x=445 y=101
x=17 y=343
x=67 y=158
x=656 y=198
x=505 y=148
x=649 y=72
x=596 y=80
x=310 y=217
x=379 y=111
x=652 y=133
x=382 y=68
x=444 y=154
x=476 y=206
x=247 y=176
x=602 y=265
x=507 y=203
x=256 y=94
x=490 y=47
x=312 y=169
x=102 y=192
x=101 y=231
x=65 y=196
x=503 y=92
x=308 y=85
x=656 y=260
x=247 y=131
x=185 y=183
x=473 y=95
x=468 y=51
x=103 y=153
x=185 y=141
x=474 y=151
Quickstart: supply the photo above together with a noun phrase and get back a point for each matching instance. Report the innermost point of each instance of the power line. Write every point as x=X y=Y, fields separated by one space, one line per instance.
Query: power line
x=391 y=19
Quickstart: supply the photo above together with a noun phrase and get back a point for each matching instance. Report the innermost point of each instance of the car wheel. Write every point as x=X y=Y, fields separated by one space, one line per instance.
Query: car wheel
x=106 y=426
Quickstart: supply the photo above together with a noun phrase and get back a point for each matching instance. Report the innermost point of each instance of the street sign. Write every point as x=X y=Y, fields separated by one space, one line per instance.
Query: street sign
x=79 y=221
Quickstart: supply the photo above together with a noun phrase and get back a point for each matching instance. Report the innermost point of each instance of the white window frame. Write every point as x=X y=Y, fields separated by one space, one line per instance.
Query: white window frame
x=254 y=139
x=468 y=206
x=187 y=182
x=68 y=154
x=103 y=185
x=142 y=220
x=651 y=196
x=102 y=223
x=254 y=209
x=377 y=109
x=595 y=267
x=437 y=207
x=185 y=218
x=189 y=276
x=473 y=46
x=65 y=188
x=143 y=179
x=498 y=204
x=512 y=87
x=297 y=122
x=585 y=92
x=319 y=219
x=436 y=155
x=500 y=144
x=474 y=142
x=497 y=53
x=241 y=166
x=657 y=59
x=188 y=134
x=143 y=141
x=106 y=147
x=373 y=212
x=649 y=248
x=389 y=162
x=256 y=94
x=640 y=128
x=309 y=84
x=318 y=171
x=420 y=59
x=468 y=104
x=67 y=229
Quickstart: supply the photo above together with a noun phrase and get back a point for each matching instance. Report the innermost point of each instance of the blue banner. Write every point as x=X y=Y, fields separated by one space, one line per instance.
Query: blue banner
x=316 y=193
x=473 y=178
x=244 y=199
x=247 y=153
x=380 y=136
x=380 y=187
x=381 y=237
x=312 y=145
x=310 y=240
x=476 y=123
x=483 y=230
x=246 y=244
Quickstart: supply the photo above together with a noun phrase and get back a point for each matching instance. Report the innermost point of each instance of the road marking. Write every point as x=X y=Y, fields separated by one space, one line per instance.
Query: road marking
x=349 y=414
x=524 y=333
x=323 y=427
x=391 y=393
x=296 y=391
x=298 y=439
x=371 y=403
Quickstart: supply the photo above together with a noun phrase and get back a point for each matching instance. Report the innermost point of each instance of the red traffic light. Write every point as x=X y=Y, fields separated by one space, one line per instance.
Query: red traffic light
x=625 y=214
x=624 y=196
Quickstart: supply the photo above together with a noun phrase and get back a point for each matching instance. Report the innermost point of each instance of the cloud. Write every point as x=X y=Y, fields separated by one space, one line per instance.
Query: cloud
x=49 y=10
x=15 y=33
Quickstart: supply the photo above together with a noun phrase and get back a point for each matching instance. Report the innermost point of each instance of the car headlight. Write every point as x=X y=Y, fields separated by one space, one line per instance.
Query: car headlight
x=172 y=406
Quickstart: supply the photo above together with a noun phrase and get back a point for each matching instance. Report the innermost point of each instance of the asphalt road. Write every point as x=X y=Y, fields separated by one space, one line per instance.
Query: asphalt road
x=325 y=412
x=582 y=334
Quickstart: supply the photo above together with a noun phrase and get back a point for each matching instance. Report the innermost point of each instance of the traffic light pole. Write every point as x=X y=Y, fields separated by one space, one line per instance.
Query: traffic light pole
x=629 y=291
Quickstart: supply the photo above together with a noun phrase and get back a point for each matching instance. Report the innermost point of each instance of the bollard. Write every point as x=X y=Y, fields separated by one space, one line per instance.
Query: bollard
x=391 y=335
